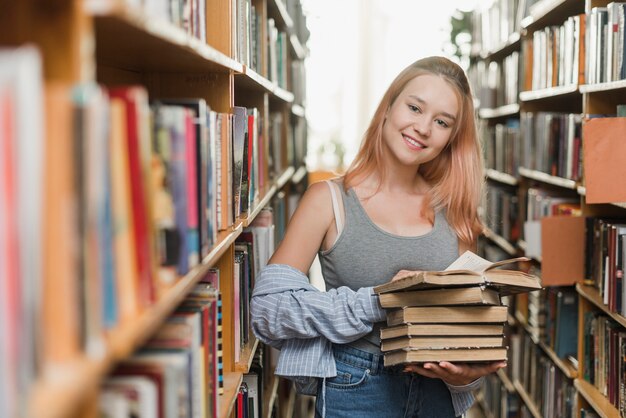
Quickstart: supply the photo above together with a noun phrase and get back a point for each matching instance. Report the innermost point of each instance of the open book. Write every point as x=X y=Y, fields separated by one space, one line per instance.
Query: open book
x=468 y=270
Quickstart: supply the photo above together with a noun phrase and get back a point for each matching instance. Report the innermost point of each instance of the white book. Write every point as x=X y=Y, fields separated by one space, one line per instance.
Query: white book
x=21 y=76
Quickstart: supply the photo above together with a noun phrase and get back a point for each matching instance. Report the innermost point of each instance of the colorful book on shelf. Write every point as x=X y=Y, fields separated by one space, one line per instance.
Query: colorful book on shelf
x=60 y=308
x=430 y=342
x=449 y=354
x=475 y=295
x=425 y=330
x=447 y=314
x=135 y=99
x=468 y=270
x=126 y=268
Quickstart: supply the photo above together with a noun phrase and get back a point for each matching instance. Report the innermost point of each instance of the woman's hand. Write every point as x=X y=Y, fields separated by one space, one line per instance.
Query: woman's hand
x=404 y=273
x=456 y=374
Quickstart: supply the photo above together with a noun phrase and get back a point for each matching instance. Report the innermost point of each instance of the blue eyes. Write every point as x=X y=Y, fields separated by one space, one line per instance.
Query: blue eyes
x=439 y=122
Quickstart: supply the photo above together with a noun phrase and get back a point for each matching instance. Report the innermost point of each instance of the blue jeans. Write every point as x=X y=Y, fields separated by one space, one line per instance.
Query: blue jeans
x=364 y=388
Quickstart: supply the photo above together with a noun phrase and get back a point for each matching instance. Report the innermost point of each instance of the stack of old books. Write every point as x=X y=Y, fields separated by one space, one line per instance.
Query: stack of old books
x=453 y=315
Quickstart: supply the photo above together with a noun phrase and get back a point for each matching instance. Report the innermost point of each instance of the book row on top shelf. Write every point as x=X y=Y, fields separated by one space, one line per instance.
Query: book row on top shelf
x=146 y=171
x=554 y=159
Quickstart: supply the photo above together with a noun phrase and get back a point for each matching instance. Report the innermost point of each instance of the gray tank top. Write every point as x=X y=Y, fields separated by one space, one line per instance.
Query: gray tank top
x=366 y=255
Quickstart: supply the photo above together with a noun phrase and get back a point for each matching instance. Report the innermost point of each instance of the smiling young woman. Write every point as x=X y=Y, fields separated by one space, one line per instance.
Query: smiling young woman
x=408 y=202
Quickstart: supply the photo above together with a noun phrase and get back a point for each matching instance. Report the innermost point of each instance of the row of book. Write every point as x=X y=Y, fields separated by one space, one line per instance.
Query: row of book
x=125 y=195
x=548 y=142
x=604 y=360
x=501 y=206
x=552 y=143
x=585 y=49
x=179 y=371
x=493 y=23
x=502 y=146
x=496 y=83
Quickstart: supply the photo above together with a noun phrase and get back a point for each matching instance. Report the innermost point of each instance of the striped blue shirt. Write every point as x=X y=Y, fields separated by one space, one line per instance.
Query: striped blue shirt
x=289 y=313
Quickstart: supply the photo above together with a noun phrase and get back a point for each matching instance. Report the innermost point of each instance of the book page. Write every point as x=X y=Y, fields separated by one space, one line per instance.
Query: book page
x=469 y=261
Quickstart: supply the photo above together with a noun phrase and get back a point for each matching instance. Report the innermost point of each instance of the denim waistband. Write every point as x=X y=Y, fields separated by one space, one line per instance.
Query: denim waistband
x=359 y=358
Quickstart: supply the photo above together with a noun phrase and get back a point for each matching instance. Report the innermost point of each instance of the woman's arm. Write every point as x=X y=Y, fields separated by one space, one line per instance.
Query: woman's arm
x=285 y=306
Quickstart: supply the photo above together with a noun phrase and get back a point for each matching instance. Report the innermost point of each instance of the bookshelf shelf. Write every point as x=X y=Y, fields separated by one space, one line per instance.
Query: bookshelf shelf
x=282 y=94
x=501 y=177
x=547 y=178
x=263 y=201
x=250 y=79
x=296 y=47
x=297 y=110
x=247 y=354
x=58 y=394
x=512 y=44
x=269 y=396
x=532 y=408
x=597 y=401
x=484 y=407
x=547 y=12
x=155 y=45
x=299 y=175
x=609 y=86
x=508 y=385
x=500 y=241
x=499 y=112
x=278 y=10
x=232 y=381
x=591 y=294
x=550 y=93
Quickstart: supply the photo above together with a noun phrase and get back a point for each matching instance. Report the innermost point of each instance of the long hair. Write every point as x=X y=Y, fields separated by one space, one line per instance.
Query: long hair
x=456 y=174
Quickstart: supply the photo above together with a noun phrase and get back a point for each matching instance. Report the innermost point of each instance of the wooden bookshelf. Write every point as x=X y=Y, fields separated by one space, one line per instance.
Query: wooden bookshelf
x=499 y=112
x=547 y=178
x=532 y=408
x=247 y=355
x=501 y=177
x=601 y=87
x=508 y=384
x=591 y=294
x=500 y=241
x=269 y=396
x=566 y=368
x=512 y=44
x=113 y=43
x=548 y=12
x=232 y=381
x=598 y=402
x=550 y=93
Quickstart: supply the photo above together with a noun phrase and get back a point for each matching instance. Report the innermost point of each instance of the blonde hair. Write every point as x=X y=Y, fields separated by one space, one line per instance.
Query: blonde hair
x=456 y=174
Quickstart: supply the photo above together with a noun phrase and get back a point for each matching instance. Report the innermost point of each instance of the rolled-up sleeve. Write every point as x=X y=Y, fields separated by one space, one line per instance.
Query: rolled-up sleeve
x=284 y=306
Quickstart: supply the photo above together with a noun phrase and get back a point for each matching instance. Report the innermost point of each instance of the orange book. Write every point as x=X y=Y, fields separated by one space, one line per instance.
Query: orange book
x=126 y=270
x=60 y=316
x=139 y=158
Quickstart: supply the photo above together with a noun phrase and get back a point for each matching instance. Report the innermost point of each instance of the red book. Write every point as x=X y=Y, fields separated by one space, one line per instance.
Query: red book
x=139 y=155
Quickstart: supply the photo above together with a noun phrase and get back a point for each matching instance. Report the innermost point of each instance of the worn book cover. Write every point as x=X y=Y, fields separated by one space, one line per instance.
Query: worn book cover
x=447 y=314
x=429 y=342
x=477 y=295
x=469 y=269
x=421 y=330
x=453 y=355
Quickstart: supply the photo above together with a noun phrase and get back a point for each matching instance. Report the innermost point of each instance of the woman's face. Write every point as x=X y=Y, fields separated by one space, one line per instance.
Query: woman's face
x=418 y=125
